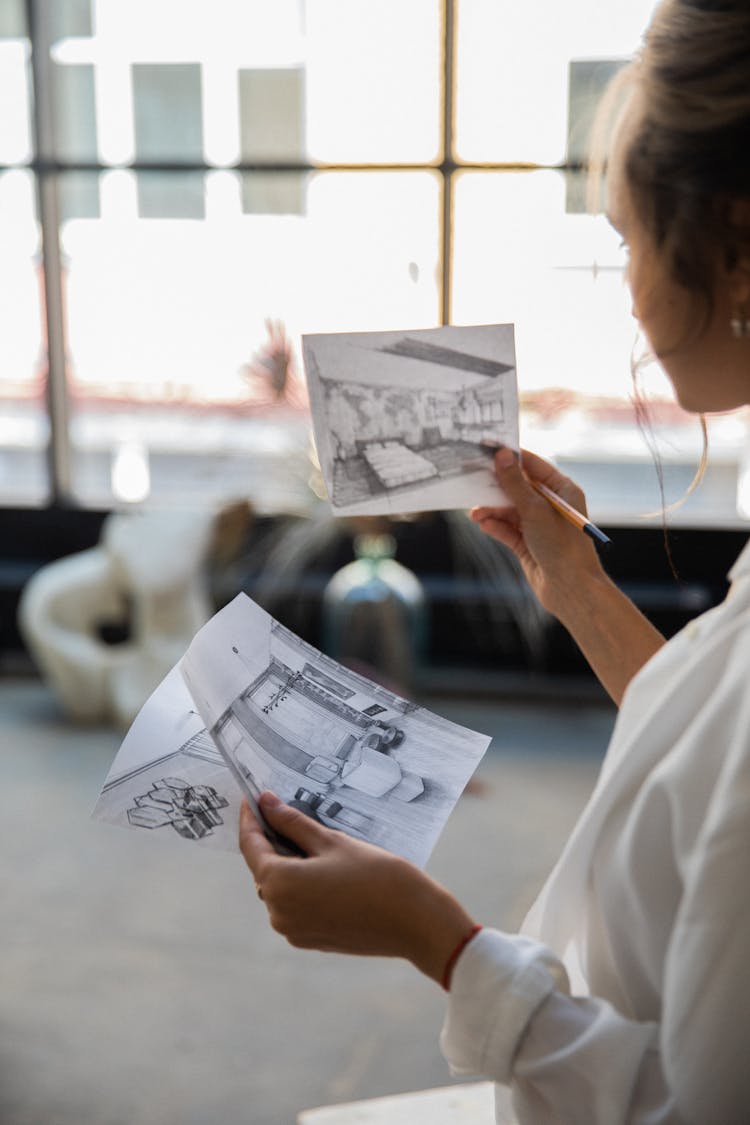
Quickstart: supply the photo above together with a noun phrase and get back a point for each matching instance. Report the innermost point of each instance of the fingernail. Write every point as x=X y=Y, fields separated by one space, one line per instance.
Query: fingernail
x=505 y=457
x=269 y=799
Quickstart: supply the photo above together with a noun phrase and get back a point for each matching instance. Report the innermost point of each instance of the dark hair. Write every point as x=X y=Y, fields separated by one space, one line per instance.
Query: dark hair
x=688 y=162
x=689 y=159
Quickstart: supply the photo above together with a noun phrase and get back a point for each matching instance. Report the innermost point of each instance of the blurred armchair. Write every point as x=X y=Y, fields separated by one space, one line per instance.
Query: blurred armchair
x=147 y=574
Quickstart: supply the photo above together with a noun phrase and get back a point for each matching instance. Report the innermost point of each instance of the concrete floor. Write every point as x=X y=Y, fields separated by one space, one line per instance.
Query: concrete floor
x=140 y=983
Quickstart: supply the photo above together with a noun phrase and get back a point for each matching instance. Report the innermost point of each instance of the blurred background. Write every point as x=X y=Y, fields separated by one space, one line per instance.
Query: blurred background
x=185 y=189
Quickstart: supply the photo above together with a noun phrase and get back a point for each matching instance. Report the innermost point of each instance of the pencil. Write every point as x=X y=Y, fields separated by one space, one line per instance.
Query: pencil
x=571 y=514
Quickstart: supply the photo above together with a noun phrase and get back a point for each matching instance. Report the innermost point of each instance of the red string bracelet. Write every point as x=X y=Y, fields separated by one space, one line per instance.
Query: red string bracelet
x=445 y=980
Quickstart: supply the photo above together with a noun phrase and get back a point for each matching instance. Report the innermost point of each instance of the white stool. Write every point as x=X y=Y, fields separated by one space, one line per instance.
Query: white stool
x=466 y=1104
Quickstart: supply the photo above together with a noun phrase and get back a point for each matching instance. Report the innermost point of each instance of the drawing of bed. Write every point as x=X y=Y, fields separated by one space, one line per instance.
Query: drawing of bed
x=394 y=464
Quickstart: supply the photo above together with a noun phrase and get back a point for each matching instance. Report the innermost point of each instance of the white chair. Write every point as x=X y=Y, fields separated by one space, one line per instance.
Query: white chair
x=147 y=573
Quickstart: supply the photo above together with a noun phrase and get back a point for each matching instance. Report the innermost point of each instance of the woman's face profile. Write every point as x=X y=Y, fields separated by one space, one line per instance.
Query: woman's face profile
x=708 y=368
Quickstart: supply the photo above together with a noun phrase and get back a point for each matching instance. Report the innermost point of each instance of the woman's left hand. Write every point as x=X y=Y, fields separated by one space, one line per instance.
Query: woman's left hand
x=347 y=896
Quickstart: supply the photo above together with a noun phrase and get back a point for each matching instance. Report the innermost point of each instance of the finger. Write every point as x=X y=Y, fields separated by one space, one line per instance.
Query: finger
x=501 y=524
x=254 y=845
x=513 y=482
x=483 y=512
x=506 y=533
x=546 y=473
x=302 y=830
x=515 y=479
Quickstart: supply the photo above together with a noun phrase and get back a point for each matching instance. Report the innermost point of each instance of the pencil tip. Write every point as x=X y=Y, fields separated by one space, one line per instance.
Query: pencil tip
x=593 y=531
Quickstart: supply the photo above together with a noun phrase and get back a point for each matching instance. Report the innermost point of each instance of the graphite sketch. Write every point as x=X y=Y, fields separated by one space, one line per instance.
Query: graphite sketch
x=252 y=706
x=187 y=789
x=192 y=810
x=345 y=750
x=409 y=420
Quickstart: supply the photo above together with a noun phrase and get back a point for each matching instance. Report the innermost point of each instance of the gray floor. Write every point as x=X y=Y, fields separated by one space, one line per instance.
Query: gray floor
x=140 y=983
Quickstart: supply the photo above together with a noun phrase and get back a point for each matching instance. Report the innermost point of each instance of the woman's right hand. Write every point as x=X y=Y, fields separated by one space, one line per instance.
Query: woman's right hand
x=347 y=896
x=556 y=556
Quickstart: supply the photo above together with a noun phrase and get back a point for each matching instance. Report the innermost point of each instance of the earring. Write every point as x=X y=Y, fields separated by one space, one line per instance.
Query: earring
x=740 y=324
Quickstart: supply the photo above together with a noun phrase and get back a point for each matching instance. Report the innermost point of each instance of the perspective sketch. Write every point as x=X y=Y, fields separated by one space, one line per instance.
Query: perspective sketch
x=346 y=751
x=409 y=420
x=252 y=706
x=192 y=810
x=187 y=790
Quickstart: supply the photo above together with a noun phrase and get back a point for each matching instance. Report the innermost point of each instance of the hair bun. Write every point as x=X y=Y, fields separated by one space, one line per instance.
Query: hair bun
x=737 y=7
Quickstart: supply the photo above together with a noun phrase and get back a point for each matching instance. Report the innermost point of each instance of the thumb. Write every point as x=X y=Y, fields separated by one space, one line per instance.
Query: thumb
x=511 y=478
x=301 y=829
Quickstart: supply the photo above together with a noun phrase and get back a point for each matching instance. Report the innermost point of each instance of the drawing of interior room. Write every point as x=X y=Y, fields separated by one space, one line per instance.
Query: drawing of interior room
x=336 y=748
x=386 y=437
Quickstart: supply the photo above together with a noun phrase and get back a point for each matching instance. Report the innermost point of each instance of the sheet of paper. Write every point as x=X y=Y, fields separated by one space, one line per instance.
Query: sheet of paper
x=345 y=750
x=405 y=421
x=168 y=779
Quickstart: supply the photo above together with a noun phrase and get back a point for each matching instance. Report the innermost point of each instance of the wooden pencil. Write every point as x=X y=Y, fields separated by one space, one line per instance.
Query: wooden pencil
x=571 y=514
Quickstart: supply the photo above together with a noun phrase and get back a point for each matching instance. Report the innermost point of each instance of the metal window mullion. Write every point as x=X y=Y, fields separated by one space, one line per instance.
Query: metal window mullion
x=52 y=167
x=47 y=169
x=58 y=452
x=447 y=165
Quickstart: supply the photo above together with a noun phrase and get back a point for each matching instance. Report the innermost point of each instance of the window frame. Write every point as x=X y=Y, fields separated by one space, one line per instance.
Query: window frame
x=47 y=167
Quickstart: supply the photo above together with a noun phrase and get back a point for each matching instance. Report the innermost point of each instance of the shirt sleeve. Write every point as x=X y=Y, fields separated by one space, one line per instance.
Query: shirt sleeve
x=511 y=1018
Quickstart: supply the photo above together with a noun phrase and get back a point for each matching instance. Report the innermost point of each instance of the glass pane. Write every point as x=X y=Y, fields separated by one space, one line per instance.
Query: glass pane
x=12 y=19
x=15 y=110
x=520 y=69
x=74 y=112
x=66 y=17
x=521 y=255
x=374 y=84
x=67 y=26
x=245 y=80
x=24 y=429
x=167 y=111
x=272 y=113
x=174 y=370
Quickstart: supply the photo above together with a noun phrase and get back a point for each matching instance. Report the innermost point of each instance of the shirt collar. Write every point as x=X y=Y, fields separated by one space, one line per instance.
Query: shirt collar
x=742 y=565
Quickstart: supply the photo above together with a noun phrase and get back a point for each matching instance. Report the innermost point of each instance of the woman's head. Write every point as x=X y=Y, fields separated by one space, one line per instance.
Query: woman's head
x=679 y=190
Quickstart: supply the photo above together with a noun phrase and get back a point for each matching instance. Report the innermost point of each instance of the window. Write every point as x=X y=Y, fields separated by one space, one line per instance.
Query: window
x=184 y=189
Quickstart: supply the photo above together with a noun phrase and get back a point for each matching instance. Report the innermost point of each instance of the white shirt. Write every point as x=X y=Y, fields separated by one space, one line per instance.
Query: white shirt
x=633 y=1006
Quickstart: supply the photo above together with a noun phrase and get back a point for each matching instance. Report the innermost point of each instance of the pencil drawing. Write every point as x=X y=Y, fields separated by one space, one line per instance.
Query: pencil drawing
x=344 y=750
x=192 y=810
x=400 y=417
x=280 y=715
x=188 y=789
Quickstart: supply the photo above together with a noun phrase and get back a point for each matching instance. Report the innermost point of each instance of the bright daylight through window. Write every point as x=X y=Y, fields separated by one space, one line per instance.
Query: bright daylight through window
x=186 y=188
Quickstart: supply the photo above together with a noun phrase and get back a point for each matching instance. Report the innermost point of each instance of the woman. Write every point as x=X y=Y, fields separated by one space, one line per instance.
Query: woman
x=632 y=1001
